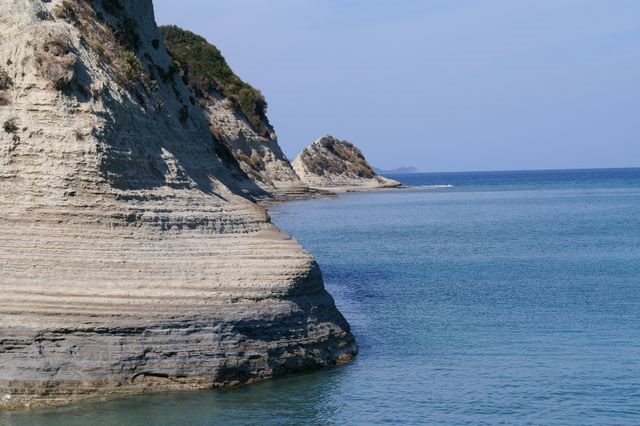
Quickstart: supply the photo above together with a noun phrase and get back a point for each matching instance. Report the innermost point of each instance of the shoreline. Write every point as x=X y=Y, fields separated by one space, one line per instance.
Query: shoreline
x=328 y=192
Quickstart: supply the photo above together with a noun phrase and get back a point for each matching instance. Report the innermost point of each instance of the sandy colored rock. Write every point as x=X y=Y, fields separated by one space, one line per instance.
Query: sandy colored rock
x=130 y=258
x=336 y=165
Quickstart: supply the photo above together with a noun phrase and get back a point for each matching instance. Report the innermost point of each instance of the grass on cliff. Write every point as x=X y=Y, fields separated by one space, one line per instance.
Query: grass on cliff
x=205 y=70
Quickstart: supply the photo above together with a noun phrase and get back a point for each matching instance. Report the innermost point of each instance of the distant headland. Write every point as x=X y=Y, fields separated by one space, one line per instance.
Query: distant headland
x=398 y=171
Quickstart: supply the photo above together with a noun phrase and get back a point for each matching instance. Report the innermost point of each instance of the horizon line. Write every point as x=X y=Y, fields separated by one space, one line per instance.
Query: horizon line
x=520 y=170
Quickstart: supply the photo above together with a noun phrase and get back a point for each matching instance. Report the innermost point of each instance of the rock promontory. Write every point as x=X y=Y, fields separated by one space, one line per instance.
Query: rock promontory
x=131 y=258
x=333 y=164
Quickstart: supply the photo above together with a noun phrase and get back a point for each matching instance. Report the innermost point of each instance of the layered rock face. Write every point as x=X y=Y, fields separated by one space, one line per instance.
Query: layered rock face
x=130 y=258
x=236 y=113
x=331 y=163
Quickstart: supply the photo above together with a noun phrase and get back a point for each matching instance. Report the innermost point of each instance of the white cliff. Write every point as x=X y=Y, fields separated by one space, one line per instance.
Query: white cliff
x=130 y=258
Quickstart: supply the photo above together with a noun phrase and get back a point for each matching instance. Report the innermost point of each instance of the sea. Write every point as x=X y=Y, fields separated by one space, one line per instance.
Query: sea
x=476 y=298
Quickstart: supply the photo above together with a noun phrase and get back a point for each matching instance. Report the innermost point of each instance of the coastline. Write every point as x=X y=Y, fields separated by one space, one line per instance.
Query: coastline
x=326 y=192
x=393 y=283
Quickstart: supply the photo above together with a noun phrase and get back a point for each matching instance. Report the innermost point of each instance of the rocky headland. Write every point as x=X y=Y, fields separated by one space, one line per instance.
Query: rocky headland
x=335 y=165
x=133 y=257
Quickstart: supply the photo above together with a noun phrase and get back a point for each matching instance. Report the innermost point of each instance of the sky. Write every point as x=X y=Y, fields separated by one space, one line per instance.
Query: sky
x=456 y=85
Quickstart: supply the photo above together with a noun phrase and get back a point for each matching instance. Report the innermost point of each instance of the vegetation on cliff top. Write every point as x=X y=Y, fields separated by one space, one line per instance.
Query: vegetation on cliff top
x=205 y=70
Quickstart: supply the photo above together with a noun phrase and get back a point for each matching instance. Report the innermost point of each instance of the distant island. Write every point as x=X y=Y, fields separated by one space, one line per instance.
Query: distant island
x=399 y=170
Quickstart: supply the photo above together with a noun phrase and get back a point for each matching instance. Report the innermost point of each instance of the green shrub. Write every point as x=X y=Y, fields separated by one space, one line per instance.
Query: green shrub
x=5 y=80
x=205 y=70
x=100 y=49
x=10 y=126
x=131 y=65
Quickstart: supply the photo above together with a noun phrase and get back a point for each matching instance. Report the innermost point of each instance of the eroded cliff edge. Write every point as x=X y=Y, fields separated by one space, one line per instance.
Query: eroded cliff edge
x=131 y=260
x=333 y=164
x=236 y=113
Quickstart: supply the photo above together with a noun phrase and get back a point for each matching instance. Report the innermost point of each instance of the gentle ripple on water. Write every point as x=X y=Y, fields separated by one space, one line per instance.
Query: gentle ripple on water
x=508 y=298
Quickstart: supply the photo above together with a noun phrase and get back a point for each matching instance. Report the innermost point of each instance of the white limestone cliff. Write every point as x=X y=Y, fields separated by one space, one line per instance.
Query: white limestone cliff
x=130 y=258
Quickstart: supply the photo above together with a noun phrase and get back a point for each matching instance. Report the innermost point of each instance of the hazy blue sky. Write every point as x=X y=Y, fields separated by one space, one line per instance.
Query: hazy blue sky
x=440 y=85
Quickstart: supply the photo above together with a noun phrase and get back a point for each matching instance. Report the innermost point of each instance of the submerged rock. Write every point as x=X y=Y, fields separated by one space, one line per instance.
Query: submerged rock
x=331 y=163
x=131 y=258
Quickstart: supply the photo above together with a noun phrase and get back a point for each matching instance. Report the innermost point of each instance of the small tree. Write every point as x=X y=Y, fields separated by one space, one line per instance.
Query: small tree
x=131 y=65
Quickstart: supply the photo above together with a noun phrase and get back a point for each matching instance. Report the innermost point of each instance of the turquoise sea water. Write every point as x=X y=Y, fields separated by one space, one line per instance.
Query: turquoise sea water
x=507 y=297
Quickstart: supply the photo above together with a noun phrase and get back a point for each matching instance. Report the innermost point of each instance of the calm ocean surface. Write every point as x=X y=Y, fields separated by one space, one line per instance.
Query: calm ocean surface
x=502 y=297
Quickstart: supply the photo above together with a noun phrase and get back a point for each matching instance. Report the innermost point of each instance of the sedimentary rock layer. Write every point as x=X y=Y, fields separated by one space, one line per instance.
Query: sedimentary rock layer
x=333 y=164
x=130 y=258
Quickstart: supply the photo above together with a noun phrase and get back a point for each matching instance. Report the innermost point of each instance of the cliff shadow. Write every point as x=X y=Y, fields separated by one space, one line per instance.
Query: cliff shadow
x=144 y=148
